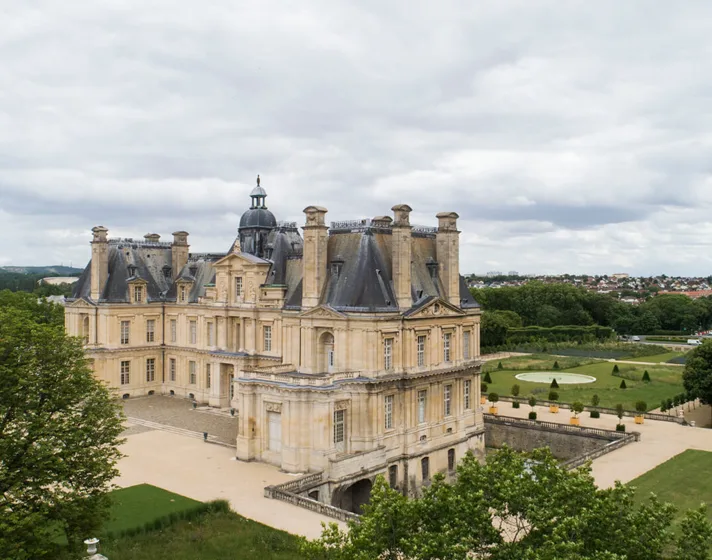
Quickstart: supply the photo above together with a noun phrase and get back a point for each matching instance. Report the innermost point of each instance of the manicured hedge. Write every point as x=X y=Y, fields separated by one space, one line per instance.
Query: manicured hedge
x=559 y=334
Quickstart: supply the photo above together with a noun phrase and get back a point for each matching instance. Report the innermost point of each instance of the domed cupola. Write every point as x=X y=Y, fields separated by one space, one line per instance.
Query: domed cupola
x=256 y=223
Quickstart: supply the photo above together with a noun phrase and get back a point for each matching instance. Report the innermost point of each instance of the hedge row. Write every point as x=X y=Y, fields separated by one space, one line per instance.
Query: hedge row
x=559 y=334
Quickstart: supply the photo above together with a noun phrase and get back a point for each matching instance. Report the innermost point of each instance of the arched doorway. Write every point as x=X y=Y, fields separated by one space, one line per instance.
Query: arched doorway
x=326 y=352
x=355 y=496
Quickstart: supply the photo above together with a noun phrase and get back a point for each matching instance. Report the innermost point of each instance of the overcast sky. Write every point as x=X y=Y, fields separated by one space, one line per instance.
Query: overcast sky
x=570 y=136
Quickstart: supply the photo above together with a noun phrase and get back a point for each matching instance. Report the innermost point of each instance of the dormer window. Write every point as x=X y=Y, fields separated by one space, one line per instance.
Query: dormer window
x=167 y=270
x=132 y=270
x=193 y=270
x=336 y=266
x=138 y=294
x=433 y=270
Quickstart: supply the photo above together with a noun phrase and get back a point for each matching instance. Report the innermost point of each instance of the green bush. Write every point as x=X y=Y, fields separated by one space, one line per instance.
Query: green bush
x=572 y=333
x=595 y=414
x=553 y=396
x=487 y=378
x=499 y=366
x=620 y=427
x=554 y=384
x=556 y=365
x=577 y=407
x=663 y=406
x=483 y=388
x=595 y=400
x=676 y=400
x=646 y=376
x=670 y=404
x=532 y=401
x=641 y=406
x=623 y=385
x=515 y=404
x=493 y=398
x=532 y=415
x=615 y=369
x=515 y=390
x=620 y=411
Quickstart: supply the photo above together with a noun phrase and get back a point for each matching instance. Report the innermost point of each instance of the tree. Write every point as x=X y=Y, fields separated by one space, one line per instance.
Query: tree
x=641 y=407
x=514 y=505
x=646 y=376
x=615 y=369
x=554 y=384
x=487 y=378
x=493 y=329
x=595 y=400
x=556 y=365
x=577 y=407
x=623 y=385
x=695 y=538
x=515 y=394
x=553 y=396
x=532 y=403
x=59 y=436
x=697 y=376
x=499 y=366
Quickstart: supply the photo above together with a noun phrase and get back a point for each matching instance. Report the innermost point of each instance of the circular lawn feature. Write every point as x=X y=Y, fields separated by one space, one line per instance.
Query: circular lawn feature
x=549 y=376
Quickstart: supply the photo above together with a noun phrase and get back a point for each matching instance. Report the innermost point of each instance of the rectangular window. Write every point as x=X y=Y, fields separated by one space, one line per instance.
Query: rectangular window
x=172 y=369
x=193 y=332
x=207 y=376
x=267 y=331
x=451 y=460
x=425 y=468
x=150 y=330
x=421 y=350
x=138 y=294
x=467 y=389
x=211 y=334
x=339 y=426
x=181 y=293
x=447 y=338
x=447 y=400
x=466 y=345
x=388 y=354
x=422 y=403
x=150 y=369
x=388 y=411
x=125 y=326
x=174 y=330
x=393 y=475
x=238 y=287
x=191 y=372
x=125 y=372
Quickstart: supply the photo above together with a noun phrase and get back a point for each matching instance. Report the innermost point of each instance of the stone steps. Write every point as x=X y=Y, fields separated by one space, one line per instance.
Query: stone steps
x=175 y=430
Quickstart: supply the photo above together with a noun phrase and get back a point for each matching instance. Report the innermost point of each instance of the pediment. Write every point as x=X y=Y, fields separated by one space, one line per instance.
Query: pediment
x=323 y=311
x=136 y=280
x=81 y=302
x=435 y=308
x=241 y=258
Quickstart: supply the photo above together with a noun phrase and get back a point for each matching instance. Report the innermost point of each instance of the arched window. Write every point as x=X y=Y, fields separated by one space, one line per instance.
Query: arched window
x=326 y=352
x=85 y=329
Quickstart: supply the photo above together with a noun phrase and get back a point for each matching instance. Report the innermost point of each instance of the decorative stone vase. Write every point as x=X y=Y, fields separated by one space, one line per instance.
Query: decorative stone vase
x=493 y=410
x=554 y=408
x=575 y=421
x=639 y=419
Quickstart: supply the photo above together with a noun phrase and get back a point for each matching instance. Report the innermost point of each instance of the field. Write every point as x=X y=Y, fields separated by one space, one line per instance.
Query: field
x=683 y=480
x=666 y=381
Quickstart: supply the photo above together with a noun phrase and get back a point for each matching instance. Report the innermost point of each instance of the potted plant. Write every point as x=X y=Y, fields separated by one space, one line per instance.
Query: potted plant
x=620 y=427
x=554 y=405
x=483 y=392
x=493 y=399
x=595 y=401
x=532 y=403
x=640 y=407
x=577 y=408
x=515 y=394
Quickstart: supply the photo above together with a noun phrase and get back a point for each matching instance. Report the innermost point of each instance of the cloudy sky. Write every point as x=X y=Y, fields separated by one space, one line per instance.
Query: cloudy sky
x=570 y=136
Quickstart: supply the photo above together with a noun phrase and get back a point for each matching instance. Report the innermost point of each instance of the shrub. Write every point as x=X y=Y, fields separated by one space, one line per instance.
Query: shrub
x=488 y=378
x=556 y=365
x=669 y=404
x=483 y=388
x=595 y=414
x=641 y=406
x=646 y=376
x=500 y=366
x=532 y=415
x=619 y=411
x=515 y=390
x=577 y=407
x=676 y=400
x=515 y=404
x=553 y=396
x=532 y=401
x=623 y=385
x=554 y=384
x=663 y=406
x=493 y=397
x=620 y=427
x=595 y=400
x=615 y=369
x=683 y=398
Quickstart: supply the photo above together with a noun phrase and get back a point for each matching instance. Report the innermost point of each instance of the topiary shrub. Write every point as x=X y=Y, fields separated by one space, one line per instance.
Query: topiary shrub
x=556 y=365
x=532 y=402
x=646 y=376
x=488 y=378
x=500 y=366
x=641 y=407
x=676 y=400
x=619 y=411
x=554 y=384
x=515 y=390
x=483 y=389
x=669 y=404
x=620 y=427
x=515 y=404
x=595 y=400
x=532 y=415
x=663 y=406
x=615 y=369
x=553 y=396
x=595 y=414
x=577 y=407
x=623 y=385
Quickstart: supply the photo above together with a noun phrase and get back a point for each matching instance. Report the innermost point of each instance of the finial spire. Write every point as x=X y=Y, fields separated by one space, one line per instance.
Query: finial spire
x=258 y=180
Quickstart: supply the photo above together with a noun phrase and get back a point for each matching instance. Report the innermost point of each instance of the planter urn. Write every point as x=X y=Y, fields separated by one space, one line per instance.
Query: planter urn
x=575 y=421
x=554 y=408
x=493 y=410
x=639 y=419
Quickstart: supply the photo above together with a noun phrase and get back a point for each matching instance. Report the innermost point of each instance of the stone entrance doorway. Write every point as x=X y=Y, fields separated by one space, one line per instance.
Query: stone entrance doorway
x=353 y=497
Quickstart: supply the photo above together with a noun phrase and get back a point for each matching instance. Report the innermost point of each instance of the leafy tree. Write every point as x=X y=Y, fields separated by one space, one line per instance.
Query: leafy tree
x=646 y=376
x=577 y=407
x=695 y=538
x=59 y=430
x=515 y=390
x=493 y=398
x=493 y=329
x=554 y=384
x=513 y=506
x=623 y=385
x=697 y=376
x=641 y=406
x=487 y=378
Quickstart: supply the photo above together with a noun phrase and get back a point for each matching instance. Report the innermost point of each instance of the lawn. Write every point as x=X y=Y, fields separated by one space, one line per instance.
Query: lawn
x=137 y=505
x=659 y=358
x=683 y=480
x=213 y=536
x=666 y=382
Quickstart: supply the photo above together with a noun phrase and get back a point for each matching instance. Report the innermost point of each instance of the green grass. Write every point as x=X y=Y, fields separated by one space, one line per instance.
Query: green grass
x=135 y=506
x=666 y=382
x=683 y=480
x=209 y=537
x=659 y=358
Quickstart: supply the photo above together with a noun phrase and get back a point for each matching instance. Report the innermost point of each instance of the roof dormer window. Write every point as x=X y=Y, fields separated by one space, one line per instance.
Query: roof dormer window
x=167 y=271
x=132 y=270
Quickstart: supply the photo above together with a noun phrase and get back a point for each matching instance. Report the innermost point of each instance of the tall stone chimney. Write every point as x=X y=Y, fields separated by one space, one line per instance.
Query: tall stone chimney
x=179 y=252
x=401 y=254
x=314 y=258
x=99 y=261
x=152 y=237
x=448 y=254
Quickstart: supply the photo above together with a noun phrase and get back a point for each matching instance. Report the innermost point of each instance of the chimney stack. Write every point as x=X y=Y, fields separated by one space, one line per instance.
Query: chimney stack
x=99 y=261
x=152 y=237
x=401 y=255
x=448 y=255
x=314 y=259
x=179 y=252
